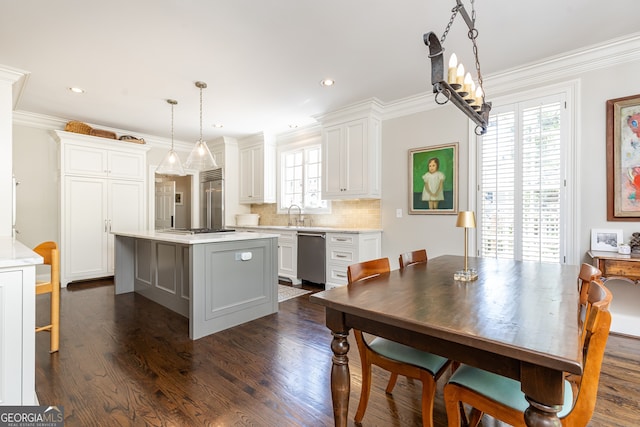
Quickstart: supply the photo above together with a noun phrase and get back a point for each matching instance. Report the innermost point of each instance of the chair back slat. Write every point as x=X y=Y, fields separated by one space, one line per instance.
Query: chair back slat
x=415 y=257
x=367 y=269
x=588 y=273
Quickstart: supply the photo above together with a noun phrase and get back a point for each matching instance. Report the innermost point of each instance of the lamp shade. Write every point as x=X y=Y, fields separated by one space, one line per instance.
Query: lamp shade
x=201 y=158
x=466 y=219
x=170 y=165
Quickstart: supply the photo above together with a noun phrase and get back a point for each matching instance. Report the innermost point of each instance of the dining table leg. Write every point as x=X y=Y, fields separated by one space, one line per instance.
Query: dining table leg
x=541 y=415
x=544 y=390
x=340 y=378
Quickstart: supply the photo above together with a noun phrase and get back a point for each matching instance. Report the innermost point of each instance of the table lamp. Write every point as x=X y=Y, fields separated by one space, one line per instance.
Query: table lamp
x=466 y=219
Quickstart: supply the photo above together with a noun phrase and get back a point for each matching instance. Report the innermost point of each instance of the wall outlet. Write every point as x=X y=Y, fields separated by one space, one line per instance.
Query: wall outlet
x=398 y=213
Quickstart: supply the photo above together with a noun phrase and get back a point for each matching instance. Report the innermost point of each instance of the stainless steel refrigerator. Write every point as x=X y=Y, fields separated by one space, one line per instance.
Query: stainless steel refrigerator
x=212 y=199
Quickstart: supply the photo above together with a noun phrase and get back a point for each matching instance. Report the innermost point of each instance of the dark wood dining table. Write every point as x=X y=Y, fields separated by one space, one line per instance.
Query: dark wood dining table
x=518 y=319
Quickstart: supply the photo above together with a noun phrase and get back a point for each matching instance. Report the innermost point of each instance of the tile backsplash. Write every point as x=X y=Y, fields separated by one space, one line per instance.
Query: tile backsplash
x=346 y=214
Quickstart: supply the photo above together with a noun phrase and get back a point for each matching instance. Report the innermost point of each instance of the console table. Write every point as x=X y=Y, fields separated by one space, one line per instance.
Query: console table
x=615 y=265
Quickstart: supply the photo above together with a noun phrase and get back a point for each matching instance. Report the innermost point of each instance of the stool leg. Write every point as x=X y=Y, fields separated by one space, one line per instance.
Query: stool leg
x=55 y=319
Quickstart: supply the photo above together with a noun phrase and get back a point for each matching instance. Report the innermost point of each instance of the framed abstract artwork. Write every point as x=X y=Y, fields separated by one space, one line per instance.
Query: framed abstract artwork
x=433 y=179
x=623 y=159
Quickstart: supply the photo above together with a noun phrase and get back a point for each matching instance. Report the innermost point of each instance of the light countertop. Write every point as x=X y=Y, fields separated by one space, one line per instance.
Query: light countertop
x=311 y=228
x=194 y=239
x=15 y=254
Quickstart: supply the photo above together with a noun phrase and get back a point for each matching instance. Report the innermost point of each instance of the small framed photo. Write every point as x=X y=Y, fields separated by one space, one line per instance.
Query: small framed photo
x=433 y=179
x=179 y=198
x=605 y=240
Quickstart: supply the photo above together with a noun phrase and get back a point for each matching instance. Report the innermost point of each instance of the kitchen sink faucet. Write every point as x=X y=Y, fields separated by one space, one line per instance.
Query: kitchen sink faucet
x=299 y=220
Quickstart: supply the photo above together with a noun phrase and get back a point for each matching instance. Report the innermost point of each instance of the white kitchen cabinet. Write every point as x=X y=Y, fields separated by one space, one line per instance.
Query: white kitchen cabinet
x=288 y=255
x=344 y=249
x=351 y=159
x=17 y=323
x=102 y=189
x=257 y=170
x=287 y=251
x=80 y=159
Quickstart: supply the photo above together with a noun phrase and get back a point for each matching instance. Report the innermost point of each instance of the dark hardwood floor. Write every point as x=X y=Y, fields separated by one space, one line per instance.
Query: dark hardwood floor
x=125 y=360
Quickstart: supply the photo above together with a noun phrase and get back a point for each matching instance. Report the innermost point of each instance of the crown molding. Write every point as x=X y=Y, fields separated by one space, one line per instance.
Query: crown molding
x=371 y=106
x=42 y=121
x=613 y=52
x=16 y=77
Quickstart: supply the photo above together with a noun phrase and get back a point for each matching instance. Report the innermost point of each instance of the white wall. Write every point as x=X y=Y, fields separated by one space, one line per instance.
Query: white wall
x=35 y=165
x=597 y=87
x=437 y=233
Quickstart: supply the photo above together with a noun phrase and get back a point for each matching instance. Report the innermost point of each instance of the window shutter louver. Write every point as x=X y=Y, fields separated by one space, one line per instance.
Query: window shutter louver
x=520 y=183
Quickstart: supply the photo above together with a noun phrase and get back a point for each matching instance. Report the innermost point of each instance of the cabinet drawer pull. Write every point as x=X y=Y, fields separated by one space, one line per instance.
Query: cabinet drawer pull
x=341 y=240
x=342 y=276
x=341 y=256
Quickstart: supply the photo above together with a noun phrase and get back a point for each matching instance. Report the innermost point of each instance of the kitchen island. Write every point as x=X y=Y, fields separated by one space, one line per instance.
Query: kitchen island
x=216 y=280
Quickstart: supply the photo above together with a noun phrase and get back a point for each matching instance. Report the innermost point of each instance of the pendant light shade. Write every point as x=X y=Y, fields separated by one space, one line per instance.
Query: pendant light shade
x=171 y=164
x=200 y=157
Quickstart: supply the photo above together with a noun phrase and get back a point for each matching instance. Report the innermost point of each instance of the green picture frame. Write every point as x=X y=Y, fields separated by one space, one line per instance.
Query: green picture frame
x=433 y=191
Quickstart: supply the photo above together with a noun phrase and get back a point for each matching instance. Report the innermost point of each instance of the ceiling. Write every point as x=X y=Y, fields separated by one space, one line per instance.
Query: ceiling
x=263 y=60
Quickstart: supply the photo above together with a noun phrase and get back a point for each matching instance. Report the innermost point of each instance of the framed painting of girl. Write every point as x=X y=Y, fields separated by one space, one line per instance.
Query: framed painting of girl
x=433 y=179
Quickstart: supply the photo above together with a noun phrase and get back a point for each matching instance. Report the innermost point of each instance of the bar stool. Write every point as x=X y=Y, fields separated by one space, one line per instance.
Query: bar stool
x=51 y=255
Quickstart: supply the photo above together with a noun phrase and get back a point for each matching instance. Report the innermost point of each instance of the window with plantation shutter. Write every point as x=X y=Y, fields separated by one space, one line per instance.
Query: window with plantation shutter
x=520 y=182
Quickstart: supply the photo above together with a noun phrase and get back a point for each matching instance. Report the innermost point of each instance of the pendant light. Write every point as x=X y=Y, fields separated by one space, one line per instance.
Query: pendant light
x=171 y=164
x=200 y=157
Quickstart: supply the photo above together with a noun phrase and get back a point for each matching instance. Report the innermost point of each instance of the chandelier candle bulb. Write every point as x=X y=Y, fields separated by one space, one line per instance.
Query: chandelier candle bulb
x=460 y=75
x=466 y=86
x=453 y=64
x=479 y=96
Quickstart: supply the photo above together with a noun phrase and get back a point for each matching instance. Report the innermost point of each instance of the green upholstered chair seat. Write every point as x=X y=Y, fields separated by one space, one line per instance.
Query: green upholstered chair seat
x=406 y=354
x=502 y=389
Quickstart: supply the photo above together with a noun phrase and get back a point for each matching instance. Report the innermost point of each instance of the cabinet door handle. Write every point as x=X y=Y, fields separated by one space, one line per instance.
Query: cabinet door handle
x=109 y=226
x=105 y=225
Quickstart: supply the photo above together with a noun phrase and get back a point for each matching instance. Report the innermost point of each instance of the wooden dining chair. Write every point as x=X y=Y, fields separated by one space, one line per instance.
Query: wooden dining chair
x=394 y=357
x=415 y=257
x=588 y=273
x=502 y=398
x=51 y=255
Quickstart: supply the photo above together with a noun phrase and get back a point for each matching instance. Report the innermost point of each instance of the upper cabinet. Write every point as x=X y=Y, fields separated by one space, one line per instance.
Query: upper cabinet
x=257 y=170
x=90 y=158
x=351 y=145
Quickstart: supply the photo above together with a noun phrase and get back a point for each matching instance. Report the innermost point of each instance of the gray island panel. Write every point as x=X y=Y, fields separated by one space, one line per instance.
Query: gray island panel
x=216 y=281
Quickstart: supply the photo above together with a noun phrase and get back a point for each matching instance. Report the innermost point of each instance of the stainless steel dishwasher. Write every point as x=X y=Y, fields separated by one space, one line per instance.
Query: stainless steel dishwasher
x=311 y=256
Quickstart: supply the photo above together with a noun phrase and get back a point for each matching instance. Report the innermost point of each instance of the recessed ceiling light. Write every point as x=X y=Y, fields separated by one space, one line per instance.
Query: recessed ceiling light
x=327 y=82
x=218 y=125
x=76 y=90
x=293 y=126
